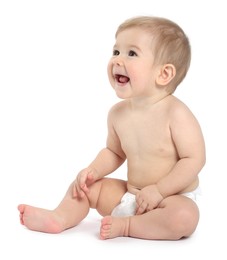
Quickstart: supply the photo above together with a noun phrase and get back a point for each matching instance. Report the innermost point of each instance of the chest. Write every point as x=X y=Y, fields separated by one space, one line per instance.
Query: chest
x=144 y=134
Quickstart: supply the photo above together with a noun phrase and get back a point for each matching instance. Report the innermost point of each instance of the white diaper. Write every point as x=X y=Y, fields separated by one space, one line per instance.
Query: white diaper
x=127 y=206
x=193 y=194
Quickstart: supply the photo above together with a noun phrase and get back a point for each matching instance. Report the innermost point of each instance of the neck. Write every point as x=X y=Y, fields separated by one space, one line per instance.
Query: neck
x=144 y=102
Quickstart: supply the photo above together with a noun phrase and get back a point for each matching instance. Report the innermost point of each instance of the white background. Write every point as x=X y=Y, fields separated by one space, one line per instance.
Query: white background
x=54 y=100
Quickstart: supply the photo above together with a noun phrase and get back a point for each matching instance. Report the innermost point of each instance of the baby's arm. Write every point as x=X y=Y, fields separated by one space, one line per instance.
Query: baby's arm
x=189 y=142
x=107 y=161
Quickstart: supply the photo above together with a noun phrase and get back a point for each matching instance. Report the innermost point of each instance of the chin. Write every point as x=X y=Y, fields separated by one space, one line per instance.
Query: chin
x=122 y=95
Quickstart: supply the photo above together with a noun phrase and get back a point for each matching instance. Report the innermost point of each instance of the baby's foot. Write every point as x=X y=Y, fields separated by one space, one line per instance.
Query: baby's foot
x=114 y=227
x=39 y=219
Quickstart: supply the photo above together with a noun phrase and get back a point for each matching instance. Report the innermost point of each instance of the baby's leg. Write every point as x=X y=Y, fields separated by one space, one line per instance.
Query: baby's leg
x=176 y=217
x=68 y=213
x=104 y=195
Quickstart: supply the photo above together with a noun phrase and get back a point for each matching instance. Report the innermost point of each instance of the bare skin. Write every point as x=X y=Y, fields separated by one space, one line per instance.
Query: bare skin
x=71 y=211
x=162 y=223
x=162 y=142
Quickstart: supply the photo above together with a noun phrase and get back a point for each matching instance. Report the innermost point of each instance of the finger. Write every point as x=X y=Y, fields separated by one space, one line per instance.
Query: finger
x=78 y=191
x=84 y=188
x=138 y=203
x=139 y=199
x=139 y=211
x=141 y=208
x=87 y=181
x=74 y=192
x=149 y=207
x=90 y=177
x=82 y=180
x=80 y=194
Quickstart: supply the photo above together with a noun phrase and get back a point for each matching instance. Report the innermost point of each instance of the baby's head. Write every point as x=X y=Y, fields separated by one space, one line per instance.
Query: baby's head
x=170 y=45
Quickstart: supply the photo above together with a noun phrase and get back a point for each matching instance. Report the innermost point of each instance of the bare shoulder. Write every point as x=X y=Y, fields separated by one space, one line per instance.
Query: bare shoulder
x=179 y=110
x=118 y=109
x=183 y=123
x=119 y=106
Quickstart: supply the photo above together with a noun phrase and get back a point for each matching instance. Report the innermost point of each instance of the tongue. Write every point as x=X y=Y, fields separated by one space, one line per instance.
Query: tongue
x=123 y=79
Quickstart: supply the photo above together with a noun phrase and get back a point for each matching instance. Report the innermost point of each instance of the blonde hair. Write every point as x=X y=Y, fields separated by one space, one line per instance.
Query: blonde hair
x=170 y=45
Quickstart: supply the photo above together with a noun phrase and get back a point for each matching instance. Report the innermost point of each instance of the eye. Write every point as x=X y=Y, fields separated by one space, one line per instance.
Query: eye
x=132 y=53
x=116 y=52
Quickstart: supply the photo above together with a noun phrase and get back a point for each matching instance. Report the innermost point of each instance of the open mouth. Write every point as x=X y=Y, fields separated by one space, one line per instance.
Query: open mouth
x=121 y=78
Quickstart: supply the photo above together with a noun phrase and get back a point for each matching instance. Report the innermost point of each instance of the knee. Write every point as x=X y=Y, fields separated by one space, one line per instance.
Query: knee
x=110 y=194
x=184 y=222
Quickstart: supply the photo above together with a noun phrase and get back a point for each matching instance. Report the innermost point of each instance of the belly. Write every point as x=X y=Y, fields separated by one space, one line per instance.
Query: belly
x=143 y=173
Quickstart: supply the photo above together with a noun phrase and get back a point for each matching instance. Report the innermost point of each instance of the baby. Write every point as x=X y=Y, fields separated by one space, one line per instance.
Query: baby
x=153 y=131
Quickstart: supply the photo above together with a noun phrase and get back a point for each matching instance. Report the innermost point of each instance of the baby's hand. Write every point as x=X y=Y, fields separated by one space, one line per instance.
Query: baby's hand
x=83 y=180
x=147 y=199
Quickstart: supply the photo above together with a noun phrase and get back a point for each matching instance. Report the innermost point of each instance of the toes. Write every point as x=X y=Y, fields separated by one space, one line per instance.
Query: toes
x=104 y=234
x=21 y=208
x=105 y=229
x=21 y=219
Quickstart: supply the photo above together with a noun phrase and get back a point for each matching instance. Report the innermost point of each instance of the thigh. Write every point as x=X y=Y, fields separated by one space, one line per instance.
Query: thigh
x=106 y=194
x=178 y=202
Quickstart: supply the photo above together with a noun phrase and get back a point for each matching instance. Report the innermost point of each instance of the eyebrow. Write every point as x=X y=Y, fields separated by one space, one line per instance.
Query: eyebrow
x=130 y=46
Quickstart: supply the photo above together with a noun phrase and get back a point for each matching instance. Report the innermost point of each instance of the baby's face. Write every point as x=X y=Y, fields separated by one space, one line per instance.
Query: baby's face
x=130 y=70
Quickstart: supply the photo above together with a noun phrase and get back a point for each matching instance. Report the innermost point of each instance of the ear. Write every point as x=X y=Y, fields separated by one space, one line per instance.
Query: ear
x=166 y=73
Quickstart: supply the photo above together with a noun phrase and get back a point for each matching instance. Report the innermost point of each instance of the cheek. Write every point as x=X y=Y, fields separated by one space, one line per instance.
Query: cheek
x=136 y=71
x=109 y=68
x=109 y=72
x=142 y=75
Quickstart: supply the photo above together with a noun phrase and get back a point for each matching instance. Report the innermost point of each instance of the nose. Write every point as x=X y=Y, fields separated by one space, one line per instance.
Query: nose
x=118 y=61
